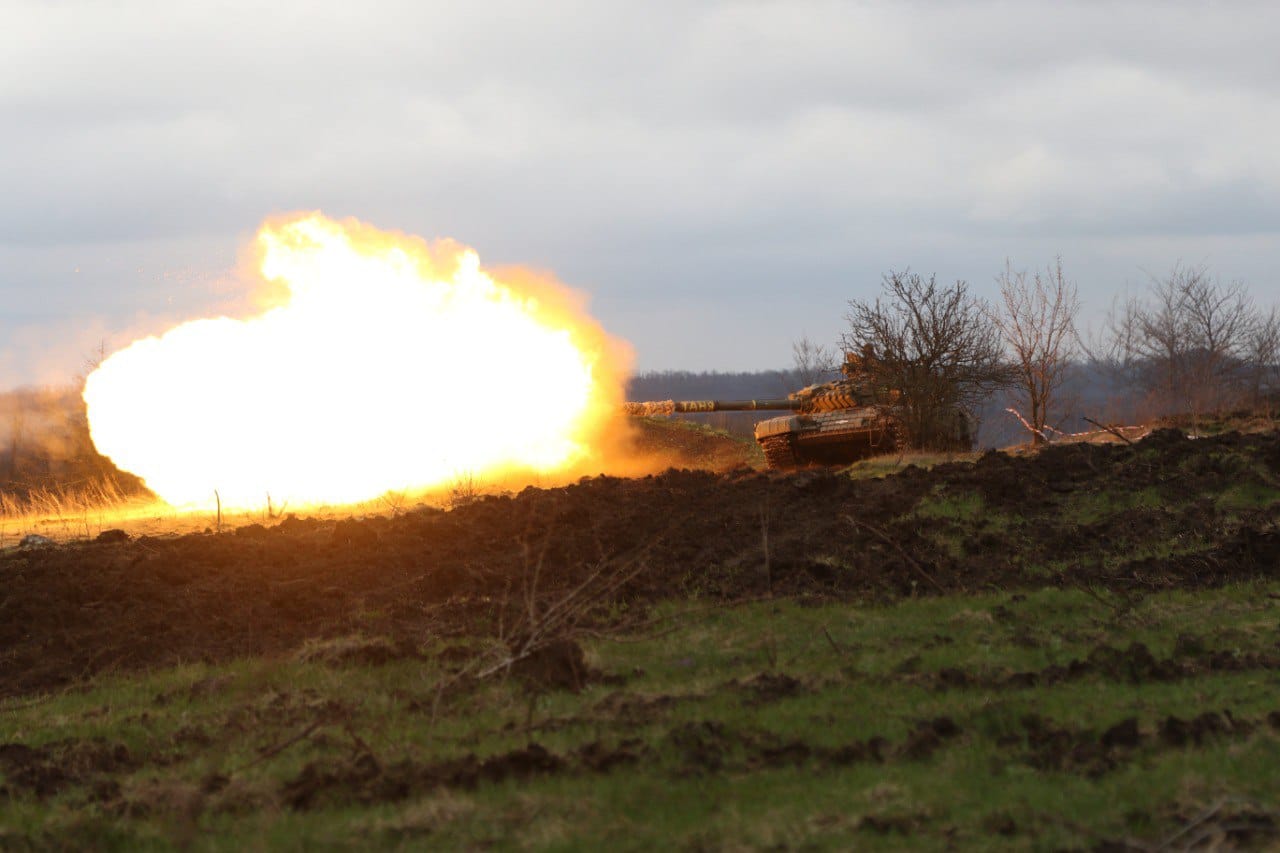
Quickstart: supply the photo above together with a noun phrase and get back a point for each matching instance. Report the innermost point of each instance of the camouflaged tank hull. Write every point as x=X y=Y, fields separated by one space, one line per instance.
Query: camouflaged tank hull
x=828 y=438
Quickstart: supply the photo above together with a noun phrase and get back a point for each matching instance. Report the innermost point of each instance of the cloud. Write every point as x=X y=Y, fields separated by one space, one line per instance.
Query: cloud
x=683 y=136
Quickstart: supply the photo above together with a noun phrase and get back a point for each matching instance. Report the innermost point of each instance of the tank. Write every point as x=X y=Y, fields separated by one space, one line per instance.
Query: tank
x=832 y=423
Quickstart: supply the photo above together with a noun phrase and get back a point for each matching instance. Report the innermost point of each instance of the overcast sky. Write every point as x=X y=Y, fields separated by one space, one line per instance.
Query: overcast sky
x=720 y=177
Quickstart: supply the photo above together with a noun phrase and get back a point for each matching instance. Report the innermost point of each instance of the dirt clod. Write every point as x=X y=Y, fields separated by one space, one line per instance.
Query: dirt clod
x=927 y=737
x=557 y=665
x=1122 y=734
x=770 y=687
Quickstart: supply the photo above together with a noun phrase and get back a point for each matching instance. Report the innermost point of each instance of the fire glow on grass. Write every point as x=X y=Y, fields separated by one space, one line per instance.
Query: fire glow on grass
x=390 y=366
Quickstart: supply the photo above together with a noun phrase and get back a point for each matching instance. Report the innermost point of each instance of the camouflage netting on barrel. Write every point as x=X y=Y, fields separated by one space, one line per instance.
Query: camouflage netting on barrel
x=652 y=407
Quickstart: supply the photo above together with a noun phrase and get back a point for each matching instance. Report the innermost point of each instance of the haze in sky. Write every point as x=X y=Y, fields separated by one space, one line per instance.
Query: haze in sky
x=720 y=177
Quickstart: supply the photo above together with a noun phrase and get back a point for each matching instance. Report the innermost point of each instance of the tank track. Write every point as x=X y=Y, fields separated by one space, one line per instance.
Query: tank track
x=780 y=452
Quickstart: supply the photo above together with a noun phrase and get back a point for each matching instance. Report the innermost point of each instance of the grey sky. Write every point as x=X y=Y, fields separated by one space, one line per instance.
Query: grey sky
x=720 y=177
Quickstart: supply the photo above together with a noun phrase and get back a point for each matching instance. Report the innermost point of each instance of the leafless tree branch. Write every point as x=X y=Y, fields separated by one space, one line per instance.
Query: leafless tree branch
x=936 y=346
x=1036 y=318
x=813 y=362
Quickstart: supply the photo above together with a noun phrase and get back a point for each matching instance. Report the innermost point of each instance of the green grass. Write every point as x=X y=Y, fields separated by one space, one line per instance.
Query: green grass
x=1248 y=495
x=954 y=506
x=953 y=517
x=860 y=672
x=1092 y=507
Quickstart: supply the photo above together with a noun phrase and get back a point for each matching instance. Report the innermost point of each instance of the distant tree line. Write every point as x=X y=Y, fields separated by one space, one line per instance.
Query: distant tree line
x=715 y=385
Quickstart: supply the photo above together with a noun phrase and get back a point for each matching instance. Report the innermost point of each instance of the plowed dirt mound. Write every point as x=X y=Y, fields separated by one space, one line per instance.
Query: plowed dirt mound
x=70 y=612
x=683 y=444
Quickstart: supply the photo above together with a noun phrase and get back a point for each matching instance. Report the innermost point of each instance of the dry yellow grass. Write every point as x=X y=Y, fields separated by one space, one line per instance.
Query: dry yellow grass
x=66 y=515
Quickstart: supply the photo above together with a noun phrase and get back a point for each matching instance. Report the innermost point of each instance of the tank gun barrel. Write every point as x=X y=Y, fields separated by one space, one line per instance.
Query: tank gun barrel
x=669 y=407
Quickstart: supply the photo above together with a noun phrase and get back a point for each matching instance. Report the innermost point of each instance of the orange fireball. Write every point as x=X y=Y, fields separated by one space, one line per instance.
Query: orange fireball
x=390 y=365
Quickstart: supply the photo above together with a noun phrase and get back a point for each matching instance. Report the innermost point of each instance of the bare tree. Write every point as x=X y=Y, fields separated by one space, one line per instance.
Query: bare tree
x=936 y=346
x=1187 y=342
x=1111 y=354
x=1263 y=360
x=1218 y=319
x=1160 y=335
x=813 y=362
x=1037 y=319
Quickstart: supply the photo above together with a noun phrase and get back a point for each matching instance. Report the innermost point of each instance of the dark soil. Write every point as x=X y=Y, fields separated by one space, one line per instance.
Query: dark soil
x=1134 y=664
x=426 y=576
x=46 y=770
x=692 y=748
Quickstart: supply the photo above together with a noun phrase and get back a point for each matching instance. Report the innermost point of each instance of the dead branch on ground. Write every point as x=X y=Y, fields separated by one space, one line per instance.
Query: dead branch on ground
x=1117 y=433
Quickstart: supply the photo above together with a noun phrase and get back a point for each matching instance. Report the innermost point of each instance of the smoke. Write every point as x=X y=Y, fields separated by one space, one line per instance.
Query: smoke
x=45 y=450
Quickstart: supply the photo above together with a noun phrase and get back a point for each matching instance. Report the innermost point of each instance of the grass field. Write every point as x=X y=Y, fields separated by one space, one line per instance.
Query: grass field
x=1077 y=650
x=1043 y=720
